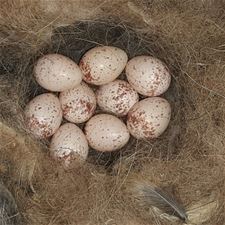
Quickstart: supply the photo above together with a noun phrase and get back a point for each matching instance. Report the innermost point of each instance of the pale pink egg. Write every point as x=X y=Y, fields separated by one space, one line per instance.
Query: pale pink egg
x=103 y=64
x=149 y=118
x=56 y=72
x=106 y=133
x=69 y=144
x=148 y=76
x=43 y=115
x=78 y=104
x=116 y=97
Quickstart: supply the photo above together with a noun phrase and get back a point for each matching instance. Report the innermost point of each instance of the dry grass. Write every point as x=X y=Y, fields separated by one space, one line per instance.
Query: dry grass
x=188 y=160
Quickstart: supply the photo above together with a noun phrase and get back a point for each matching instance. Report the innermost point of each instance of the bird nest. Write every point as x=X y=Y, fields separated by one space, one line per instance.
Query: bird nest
x=186 y=162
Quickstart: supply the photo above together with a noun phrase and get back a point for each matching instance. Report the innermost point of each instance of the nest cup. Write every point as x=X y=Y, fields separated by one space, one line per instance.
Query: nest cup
x=101 y=190
x=74 y=40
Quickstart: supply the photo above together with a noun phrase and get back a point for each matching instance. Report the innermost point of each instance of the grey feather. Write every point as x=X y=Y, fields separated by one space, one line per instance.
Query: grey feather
x=155 y=196
x=9 y=214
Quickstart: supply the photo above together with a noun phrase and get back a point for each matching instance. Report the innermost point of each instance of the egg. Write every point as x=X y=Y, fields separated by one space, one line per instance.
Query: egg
x=78 y=104
x=106 y=133
x=148 y=76
x=103 y=64
x=149 y=118
x=56 y=72
x=69 y=144
x=43 y=115
x=116 y=97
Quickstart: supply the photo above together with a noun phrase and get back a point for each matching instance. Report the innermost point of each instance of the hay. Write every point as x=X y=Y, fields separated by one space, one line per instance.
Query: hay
x=188 y=160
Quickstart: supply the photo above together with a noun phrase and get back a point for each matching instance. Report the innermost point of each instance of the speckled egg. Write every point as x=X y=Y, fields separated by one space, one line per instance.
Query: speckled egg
x=149 y=118
x=56 y=72
x=148 y=76
x=116 y=97
x=103 y=64
x=106 y=133
x=78 y=104
x=69 y=144
x=43 y=115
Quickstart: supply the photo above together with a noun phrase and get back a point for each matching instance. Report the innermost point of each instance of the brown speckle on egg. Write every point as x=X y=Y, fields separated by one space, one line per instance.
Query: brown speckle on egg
x=85 y=68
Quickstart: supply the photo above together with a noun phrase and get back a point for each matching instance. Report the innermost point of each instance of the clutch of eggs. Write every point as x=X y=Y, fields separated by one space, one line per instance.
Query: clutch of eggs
x=77 y=101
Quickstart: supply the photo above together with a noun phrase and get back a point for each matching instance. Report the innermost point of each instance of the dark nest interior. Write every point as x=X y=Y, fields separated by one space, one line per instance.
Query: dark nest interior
x=187 y=161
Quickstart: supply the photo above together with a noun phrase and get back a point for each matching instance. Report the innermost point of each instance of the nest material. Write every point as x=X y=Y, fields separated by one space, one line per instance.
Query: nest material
x=187 y=160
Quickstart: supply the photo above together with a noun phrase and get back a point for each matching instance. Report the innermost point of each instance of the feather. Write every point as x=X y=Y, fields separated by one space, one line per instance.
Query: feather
x=154 y=196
